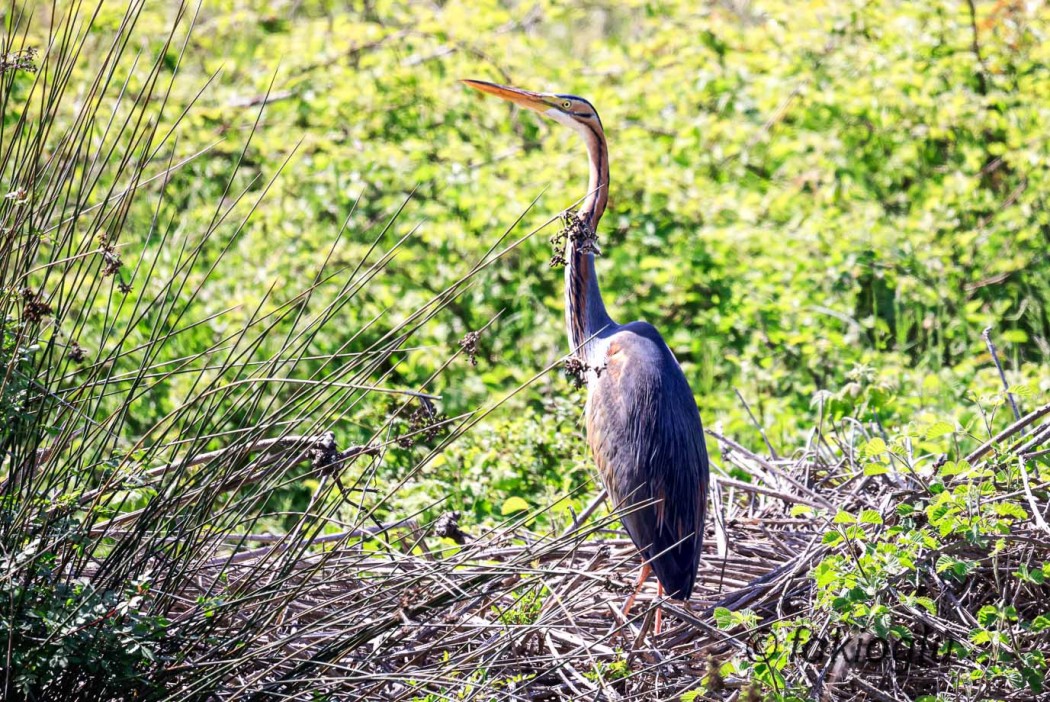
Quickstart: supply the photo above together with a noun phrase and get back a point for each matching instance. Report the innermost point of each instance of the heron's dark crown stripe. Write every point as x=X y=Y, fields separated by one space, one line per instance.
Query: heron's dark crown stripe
x=566 y=96
x=585 y=101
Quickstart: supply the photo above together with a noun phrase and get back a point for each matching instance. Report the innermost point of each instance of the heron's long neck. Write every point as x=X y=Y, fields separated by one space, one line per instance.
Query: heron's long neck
x=585 y=314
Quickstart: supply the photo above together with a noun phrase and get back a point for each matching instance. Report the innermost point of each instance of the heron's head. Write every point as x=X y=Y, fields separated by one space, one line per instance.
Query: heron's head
x=570 y=110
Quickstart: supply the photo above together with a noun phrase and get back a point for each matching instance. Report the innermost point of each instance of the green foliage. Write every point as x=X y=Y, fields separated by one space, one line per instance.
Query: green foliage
x=953 y=552
x=609 y=672
x=517 y=462
x=875 y=578
x=527 y=606
x=728 y=619
x=821 y=206
x=803 y=193
x=52 y=626
x=811 y=204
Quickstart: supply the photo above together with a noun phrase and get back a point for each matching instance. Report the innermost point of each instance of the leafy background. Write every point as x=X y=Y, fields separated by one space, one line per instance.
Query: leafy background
x=821 y=206
x=289 y=219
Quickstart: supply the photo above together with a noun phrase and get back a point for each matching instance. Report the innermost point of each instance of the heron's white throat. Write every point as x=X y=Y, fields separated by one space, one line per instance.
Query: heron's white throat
x=566 y=119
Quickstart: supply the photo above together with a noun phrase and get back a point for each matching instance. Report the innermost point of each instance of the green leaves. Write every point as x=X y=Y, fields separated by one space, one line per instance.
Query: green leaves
x=1036 y=575
x=953 y=566
x=512 y=505
x=843 y=517
x=728 y=619
x=939 y=429
x=828 y=230
x=1010 y=509
x=876 y=469
x=832 y=538
x=874 y=448
x=870 y=516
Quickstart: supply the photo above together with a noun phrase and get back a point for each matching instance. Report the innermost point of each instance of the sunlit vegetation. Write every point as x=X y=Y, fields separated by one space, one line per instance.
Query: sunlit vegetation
x=279 y=330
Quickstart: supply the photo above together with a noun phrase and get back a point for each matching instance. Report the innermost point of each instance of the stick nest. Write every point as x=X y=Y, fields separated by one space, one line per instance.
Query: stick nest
x=407 y=610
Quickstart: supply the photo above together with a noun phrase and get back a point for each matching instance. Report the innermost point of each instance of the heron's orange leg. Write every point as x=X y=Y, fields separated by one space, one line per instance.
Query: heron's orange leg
x=659 y=609
x=642 y=577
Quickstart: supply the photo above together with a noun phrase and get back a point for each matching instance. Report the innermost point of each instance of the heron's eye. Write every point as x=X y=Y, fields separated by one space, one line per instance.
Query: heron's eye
x=567 y=104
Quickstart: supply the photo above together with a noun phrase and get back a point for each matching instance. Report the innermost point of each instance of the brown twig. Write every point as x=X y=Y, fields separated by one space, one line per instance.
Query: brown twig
x=987 y=334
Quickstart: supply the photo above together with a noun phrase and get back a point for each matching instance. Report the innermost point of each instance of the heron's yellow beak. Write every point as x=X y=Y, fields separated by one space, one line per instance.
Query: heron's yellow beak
x=533 y=101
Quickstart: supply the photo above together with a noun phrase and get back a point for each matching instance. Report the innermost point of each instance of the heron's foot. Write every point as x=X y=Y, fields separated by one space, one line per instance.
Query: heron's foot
x=658 y=625
x=642 y=577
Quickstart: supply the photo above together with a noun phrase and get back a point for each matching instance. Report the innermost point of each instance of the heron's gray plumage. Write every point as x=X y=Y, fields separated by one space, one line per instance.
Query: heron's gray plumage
x=644 y=429
x=643 y=425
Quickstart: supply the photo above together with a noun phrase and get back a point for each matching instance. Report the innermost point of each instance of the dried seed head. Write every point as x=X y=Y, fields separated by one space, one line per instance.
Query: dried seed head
x=558 y=249
x=422 y=423
x=76 y=352
x=21 y=60
x=469 y=344
x=751 y=694
x=34 y=308
x=577 y=371
x=715 y=682
x=19 y=195
x=324 y=452
x=579 y=232
x=111 y=261
x=447 y=526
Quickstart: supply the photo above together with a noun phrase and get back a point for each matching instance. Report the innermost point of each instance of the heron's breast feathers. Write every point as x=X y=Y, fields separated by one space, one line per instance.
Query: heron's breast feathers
x=644 y=429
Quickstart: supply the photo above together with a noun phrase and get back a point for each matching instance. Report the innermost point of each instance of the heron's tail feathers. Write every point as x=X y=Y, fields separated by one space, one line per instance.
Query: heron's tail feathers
x=676 y=567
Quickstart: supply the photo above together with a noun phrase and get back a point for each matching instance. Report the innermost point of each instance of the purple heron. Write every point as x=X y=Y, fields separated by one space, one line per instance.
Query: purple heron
x=643 y=425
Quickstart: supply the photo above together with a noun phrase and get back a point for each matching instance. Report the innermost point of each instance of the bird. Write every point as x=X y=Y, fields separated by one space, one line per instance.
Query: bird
x=642 y=421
